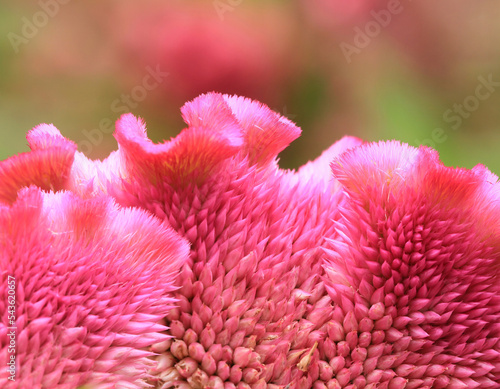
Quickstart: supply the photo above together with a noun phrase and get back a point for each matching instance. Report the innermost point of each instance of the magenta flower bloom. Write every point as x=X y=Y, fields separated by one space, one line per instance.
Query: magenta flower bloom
x=384 y=275
x=252 y=306
x=414 y=271
x=92 y=282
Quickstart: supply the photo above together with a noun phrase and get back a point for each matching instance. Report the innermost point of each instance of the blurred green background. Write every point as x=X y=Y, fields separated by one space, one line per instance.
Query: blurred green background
x=421 y=72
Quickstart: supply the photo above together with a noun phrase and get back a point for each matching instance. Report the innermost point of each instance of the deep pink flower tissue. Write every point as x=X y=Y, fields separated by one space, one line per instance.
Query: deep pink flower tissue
x=374 y=266
x=92 y=282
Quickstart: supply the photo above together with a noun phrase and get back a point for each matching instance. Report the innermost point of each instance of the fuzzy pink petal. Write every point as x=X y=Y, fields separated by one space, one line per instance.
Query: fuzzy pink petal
x=190 y=156
x=212 y=111
x=416 y=264
x=377 y=164
x=266 y=132
x=92 y=284
x=392 y=166
x=319 y=169
x=47 y=166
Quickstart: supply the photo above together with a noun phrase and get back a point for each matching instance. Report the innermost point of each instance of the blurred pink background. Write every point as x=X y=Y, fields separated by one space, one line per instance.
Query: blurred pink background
x=422 y=72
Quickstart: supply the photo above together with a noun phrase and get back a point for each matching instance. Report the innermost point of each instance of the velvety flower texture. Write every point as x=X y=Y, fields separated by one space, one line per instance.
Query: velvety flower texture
x=379 y=271
x=93 y=282
x=414 y=270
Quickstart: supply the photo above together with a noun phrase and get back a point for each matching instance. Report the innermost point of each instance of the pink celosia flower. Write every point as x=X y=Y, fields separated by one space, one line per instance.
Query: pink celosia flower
x=405 y=300
x=92 y=282
x=414 y=271
x=252 y=307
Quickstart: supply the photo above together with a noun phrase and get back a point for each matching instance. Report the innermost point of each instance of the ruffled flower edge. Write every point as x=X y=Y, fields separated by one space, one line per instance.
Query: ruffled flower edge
x=93 y=282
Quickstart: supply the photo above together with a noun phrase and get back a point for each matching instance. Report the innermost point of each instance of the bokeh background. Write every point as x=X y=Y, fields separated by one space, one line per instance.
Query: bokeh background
x=419 y=71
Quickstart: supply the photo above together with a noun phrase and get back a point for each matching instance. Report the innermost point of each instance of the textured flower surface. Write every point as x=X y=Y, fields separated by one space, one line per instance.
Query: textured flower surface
x=414 y=271
x=382 y=275
x=93 y=282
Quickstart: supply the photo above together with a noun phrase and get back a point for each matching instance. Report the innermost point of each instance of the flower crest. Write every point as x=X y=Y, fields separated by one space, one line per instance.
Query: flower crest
x=373 y=266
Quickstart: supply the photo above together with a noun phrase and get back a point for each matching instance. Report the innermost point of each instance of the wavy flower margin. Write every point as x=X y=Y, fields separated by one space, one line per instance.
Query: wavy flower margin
x=382 y=275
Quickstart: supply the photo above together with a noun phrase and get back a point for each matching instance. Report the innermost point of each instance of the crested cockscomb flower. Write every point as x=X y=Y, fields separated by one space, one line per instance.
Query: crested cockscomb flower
x=287 y=277
x=414 y=271
x=252 y=305
x=92 y=282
